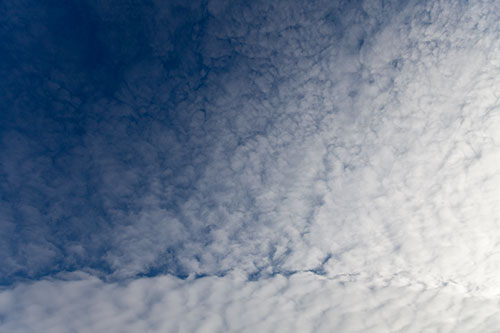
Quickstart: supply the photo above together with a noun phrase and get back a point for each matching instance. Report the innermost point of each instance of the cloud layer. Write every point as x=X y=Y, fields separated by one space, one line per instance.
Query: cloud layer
x=329 y=163
x=303 y=302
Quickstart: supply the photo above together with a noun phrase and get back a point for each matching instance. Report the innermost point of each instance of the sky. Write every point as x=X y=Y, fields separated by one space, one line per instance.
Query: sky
x=249 y=166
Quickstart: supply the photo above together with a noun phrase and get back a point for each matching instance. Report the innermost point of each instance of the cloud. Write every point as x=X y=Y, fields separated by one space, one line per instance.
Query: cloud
x=328 y=164
x=301 y=302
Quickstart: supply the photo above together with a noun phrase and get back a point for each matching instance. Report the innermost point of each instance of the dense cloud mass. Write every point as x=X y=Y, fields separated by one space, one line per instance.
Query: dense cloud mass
x=250 y=166
x=303 y=302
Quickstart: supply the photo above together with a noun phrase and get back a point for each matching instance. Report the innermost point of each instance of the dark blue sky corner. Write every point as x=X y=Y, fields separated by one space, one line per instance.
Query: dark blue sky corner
x=76 y=92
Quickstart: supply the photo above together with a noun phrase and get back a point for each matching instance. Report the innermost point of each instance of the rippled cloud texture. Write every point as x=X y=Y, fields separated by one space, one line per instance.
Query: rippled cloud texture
x=253 y=166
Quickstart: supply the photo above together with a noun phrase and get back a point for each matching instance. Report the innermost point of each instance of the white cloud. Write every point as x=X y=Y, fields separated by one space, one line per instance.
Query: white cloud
x=303 y=302
x=359 y=143
x=383 y=157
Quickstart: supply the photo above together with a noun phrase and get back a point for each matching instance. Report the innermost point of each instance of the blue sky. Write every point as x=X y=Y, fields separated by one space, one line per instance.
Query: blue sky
x=249 y=166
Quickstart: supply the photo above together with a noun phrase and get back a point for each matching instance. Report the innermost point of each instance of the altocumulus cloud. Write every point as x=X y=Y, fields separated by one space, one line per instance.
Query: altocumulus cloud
x=264 y=166
x=303 y=302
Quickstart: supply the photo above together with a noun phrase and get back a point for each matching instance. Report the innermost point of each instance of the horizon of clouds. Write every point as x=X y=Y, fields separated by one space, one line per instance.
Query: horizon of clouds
x=297 y=153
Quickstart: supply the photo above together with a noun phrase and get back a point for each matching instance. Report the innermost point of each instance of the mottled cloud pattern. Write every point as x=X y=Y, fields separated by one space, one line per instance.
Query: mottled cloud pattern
x=267 y=166
x=303 y=302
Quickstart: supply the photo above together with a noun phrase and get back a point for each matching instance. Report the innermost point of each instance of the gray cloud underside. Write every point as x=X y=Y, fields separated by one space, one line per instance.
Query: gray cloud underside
x=322 y=143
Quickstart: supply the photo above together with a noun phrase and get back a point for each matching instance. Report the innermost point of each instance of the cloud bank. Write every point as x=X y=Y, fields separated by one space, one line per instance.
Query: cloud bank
x=303 y=302
x=267 y=166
